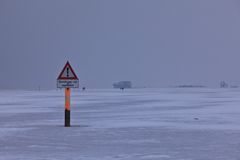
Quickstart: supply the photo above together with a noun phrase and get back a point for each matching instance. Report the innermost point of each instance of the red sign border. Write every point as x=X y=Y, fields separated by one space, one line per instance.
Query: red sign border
x=65 y=78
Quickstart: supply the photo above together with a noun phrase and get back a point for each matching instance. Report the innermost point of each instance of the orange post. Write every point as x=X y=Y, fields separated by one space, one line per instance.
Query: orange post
x=67 y=107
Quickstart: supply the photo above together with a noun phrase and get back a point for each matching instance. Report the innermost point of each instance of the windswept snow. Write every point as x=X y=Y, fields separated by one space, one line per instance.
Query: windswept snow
x=135 y=124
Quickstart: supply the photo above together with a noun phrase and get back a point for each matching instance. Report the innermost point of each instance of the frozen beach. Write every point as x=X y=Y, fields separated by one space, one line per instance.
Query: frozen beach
x=134 y=124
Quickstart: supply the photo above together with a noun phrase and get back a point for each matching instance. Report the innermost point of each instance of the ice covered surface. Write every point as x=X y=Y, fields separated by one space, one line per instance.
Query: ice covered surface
x=136 y=124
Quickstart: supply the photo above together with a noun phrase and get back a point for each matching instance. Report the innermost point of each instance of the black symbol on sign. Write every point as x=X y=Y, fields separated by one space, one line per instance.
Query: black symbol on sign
x=67 y=72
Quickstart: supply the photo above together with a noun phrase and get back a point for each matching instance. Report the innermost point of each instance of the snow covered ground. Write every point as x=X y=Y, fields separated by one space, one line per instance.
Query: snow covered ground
x=136 y=124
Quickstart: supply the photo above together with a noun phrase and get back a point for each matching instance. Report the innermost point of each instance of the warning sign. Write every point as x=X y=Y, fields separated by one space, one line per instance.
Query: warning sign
x=67 y=78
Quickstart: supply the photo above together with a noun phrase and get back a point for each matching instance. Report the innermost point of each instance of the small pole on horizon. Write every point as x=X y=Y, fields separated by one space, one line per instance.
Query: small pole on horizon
x=67 y=107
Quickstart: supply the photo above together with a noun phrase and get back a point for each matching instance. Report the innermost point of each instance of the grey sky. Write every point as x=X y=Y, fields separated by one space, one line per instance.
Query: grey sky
x=150 y=42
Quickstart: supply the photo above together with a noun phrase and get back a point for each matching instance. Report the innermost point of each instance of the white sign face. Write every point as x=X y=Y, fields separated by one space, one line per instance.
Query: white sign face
x=67 y=73
x=67 y=83
x=67 y=78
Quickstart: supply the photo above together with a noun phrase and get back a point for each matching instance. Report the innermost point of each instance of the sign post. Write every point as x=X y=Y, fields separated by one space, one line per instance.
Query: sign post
x=67 y=107
x=67 y=79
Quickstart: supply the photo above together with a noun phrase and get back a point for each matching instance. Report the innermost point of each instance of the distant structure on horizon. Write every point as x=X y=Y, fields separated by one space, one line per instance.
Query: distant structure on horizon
x=223 y=84
x=122 y=84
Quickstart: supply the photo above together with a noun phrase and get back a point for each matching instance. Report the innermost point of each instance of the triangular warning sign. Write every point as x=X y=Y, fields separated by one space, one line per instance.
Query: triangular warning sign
x=67 y=73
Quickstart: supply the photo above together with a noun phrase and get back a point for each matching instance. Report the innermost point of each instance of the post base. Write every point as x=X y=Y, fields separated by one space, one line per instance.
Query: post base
x=67 y=118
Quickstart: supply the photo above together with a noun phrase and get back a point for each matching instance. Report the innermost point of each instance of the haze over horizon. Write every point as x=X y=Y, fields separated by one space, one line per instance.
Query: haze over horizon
x=149 y=42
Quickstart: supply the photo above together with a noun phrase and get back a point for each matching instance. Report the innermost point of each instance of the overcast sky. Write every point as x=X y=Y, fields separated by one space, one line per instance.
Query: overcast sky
x=153 y=43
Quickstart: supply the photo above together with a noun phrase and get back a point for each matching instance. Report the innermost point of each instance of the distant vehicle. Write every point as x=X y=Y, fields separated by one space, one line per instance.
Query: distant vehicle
x=122 y=84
